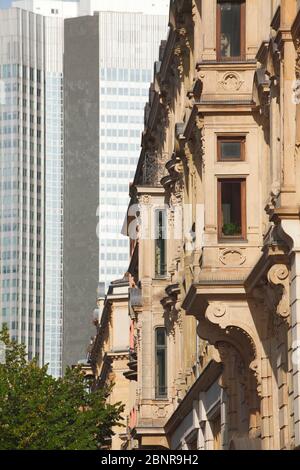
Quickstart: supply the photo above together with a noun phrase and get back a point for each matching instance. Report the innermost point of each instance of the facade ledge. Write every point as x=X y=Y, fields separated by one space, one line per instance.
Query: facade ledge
x=150 y=190
x=250 y=64
x=224 y=106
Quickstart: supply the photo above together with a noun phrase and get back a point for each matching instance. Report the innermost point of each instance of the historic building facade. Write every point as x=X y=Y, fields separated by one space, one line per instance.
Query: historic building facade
x=110 y=354
x=215 y=233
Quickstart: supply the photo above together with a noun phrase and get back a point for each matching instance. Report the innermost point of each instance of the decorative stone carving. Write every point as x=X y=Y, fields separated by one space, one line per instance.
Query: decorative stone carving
x=154 y=168
x=298 y=59
x=231 y=82
x=161 y=411
x=172 y=309
x=232 y=257
x=262 y=90
x=145 y=199
x=181 y=50
x=216 y=310
x=272 y=292
x=272 y=201
x=196 y=142
x=278 y=277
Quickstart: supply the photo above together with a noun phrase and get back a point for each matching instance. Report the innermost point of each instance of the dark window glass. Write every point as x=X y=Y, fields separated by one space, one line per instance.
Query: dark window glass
x=231 y=148
x=160 y=363
x=230 y=29
x=231 y=210
x=160 y=243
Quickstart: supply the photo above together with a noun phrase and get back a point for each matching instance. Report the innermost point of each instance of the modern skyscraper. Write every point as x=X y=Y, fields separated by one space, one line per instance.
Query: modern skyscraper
x=31 y=175
x=107 y=71
x=32 y=153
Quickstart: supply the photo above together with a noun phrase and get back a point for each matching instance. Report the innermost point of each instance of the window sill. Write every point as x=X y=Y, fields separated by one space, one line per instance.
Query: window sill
x=223 y=241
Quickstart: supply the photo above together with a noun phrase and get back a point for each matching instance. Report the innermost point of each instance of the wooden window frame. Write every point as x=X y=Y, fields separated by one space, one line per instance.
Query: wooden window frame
x=243 y=235
x=231 y=138
x=243 y=33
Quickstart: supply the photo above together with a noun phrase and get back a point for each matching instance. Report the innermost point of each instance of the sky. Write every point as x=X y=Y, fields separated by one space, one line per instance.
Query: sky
x=5 y=3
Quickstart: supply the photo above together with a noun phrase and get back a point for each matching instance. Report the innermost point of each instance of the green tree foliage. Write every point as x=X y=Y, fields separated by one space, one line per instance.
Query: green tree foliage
x=38 y=411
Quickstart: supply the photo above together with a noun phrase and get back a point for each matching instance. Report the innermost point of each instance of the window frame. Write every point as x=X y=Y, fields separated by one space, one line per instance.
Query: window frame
x=231 y=138
x=158 y=395
x=163 y=240
x=242 y=55
x=243 y=236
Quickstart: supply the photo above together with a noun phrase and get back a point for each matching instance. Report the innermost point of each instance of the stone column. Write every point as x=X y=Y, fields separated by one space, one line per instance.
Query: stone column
x=292 y=228
x=295 y=317
x=288 y=12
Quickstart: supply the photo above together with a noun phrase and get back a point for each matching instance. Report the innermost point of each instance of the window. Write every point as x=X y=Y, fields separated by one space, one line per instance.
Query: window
x=160 y=363
x=230 y=30
x=232 y=208
x=160 y=243
x=231 y=148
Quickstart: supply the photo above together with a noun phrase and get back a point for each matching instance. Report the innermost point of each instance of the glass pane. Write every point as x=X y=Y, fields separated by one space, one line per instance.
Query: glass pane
x=160 y=337
x=160 y=244
x=230 y=150
x=231 y=209
x=230 y=29
x=161 y=388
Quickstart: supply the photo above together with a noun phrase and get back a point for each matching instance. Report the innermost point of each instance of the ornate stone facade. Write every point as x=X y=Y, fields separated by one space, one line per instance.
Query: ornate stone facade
x=227 y=294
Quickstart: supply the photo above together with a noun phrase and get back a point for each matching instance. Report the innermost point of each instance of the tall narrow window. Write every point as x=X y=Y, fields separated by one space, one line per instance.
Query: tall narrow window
x=232 y=208
x=231 y=30
x=160 y=243
x=160 y=363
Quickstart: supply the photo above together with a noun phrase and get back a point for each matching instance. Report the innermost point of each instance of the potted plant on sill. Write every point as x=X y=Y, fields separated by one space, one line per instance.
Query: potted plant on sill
x=231 y=229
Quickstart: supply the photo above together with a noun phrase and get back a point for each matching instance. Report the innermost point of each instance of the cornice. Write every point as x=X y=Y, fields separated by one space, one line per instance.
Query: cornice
x=227 y=66
x=224 y=107
x=168 y=55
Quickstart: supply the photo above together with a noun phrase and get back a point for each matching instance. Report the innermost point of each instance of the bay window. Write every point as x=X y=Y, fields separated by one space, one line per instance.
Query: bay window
x=230 y=30
x=232 y=208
